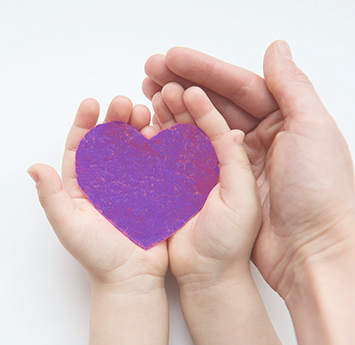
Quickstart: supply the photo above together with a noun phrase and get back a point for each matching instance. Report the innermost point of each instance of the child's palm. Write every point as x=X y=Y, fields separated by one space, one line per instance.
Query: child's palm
x=104 y=251
x=221 y=235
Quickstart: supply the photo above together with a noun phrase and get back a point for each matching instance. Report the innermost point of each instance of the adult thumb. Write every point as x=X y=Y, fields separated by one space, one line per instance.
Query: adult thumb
x=290 y=87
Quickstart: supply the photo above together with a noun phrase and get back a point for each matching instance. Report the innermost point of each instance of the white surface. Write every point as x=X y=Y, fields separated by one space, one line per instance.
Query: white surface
x=53 y=54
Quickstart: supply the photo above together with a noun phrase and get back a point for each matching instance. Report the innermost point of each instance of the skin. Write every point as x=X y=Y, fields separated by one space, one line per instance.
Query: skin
x=210 y=255
x=127 y=281
x=304 y=173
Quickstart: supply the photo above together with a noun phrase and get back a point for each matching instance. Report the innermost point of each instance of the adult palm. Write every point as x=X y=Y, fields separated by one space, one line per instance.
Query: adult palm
x=299 y=157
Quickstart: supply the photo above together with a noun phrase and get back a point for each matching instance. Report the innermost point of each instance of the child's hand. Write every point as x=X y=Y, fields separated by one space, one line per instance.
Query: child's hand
x=210 y=255
x=105 y=252
x=218 y=241
x=127 y=281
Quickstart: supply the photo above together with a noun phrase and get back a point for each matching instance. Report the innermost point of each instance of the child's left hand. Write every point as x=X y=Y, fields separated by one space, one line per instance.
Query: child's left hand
x=128 y=283
x=107 y=255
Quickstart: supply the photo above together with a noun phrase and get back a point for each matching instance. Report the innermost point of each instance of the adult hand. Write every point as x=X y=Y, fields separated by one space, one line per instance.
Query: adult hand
x=299 y=157
x=301 y=161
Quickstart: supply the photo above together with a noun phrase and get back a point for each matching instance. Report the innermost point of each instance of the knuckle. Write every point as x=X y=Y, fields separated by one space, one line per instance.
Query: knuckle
x=296 y=75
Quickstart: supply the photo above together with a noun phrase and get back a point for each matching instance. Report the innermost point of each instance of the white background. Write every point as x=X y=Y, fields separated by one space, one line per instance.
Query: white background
x=53 y=54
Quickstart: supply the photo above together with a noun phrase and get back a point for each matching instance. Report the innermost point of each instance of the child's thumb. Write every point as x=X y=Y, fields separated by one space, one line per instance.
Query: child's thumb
x=236 y=177
x=55 y=201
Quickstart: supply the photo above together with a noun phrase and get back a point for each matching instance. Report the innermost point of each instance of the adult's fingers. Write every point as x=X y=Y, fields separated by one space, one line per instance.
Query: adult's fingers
x=173 y=95
x=150 y=88
x=159 y=75
x=157 y=70
x=244 y=88
x=290 y=87
x=163 y=114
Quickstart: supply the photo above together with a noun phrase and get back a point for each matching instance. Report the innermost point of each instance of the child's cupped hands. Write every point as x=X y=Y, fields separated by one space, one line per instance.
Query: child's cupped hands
x=213 y=246
x=216 y=244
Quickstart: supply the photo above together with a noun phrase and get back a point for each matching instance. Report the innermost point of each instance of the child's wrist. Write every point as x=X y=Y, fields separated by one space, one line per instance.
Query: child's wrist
x=215 y=309
x=199 y=283
x=140 y=284
x=117 y=308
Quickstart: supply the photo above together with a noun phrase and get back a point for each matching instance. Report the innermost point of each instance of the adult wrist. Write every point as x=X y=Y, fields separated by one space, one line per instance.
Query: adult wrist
x=320 y=290
x=332 y=244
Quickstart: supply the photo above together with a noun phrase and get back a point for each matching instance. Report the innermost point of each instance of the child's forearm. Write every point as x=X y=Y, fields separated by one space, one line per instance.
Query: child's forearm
x=121 y=314
x=227 y=312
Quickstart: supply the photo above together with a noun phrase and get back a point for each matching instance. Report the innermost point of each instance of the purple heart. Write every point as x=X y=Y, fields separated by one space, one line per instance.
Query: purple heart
x=148 y=189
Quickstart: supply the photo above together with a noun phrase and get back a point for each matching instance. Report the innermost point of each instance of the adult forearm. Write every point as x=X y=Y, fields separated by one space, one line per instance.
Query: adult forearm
x=322 y=298
x=229 y=312
x=122 y=315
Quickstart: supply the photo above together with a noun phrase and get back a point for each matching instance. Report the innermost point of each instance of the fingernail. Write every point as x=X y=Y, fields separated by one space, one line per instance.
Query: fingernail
x=239 y=138
x=33 y=174
x=284 y=49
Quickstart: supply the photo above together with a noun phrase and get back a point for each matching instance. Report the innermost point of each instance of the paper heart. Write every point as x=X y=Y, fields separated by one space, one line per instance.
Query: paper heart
x=148 y=189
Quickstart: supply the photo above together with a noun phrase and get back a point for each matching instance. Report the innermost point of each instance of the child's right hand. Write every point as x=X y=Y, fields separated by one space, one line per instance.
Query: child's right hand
x=217 y=242
x=210 y=255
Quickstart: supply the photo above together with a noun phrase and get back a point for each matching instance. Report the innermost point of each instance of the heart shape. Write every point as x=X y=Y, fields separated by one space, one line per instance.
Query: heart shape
x=148 y=189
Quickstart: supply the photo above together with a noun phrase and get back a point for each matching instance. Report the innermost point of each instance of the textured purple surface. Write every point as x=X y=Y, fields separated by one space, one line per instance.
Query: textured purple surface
x=148 y=189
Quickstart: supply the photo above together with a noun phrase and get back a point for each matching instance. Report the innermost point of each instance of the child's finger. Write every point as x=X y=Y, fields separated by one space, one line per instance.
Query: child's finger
x=155 y=121
x=206 y=116
x=85 y=119
x=162 y=112
x=237 y=182
x=140 y=116
x=173 y=96
x=55 y=201
x=120 y=109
